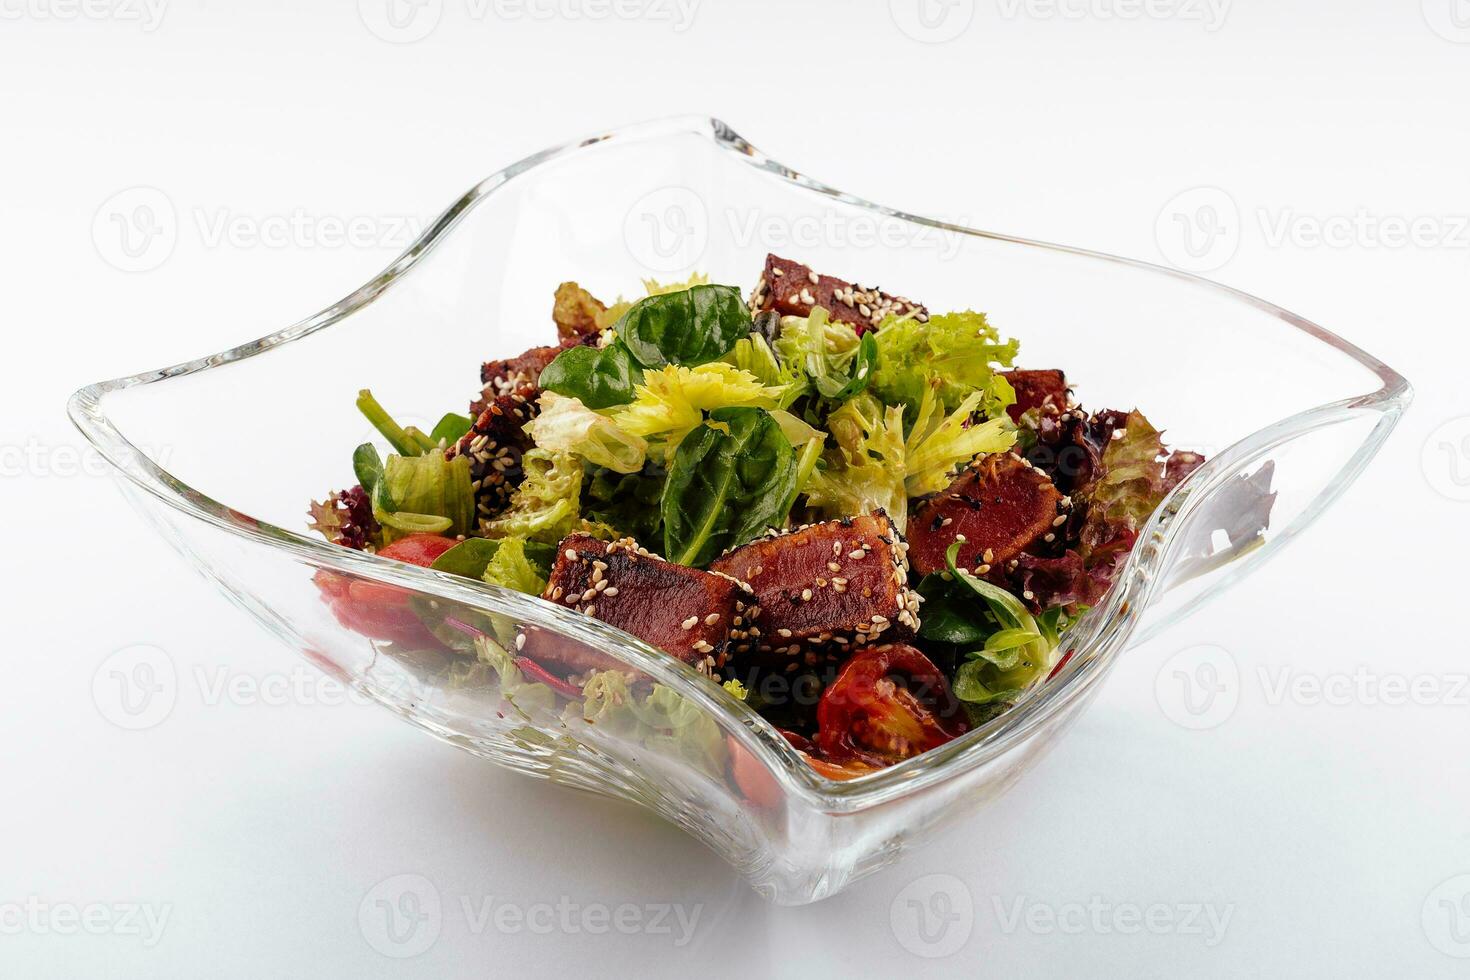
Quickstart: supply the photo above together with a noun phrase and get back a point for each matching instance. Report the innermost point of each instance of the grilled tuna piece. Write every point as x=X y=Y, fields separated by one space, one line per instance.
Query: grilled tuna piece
x=1046 y=390
x=792 y=289
x=998 y=507
x=685 y=612
x=512 y=374
x=824 y=590
x=495 y=444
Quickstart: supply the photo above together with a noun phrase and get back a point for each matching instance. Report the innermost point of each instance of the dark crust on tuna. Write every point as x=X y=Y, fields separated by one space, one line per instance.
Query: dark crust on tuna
x=824 y=590
x=792 y=289
x=687 y=613
x=1037 y=389
x=512 y=374
x=1000 y=503
x=495 y=445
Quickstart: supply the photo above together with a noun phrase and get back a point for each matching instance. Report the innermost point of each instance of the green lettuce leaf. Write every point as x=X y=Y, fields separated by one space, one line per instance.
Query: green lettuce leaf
x=864 y=471
x=509 y=567
x=957 y=350
x=938 y=443
x=429 y=494
x=566 y=425
x=545 y=506
x=834 y=362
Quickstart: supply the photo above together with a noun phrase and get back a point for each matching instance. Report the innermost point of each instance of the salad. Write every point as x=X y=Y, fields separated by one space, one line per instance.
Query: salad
x=817 y=487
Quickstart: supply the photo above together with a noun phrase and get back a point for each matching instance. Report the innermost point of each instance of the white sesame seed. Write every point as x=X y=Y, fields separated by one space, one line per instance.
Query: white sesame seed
x=688 y=624
x=711 y=619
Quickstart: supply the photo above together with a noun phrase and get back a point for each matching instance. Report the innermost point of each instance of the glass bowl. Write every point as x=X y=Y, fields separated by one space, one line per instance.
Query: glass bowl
x=251 y=434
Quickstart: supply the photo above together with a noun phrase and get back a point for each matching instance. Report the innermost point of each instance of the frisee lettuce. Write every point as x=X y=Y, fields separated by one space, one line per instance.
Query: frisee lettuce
x=545 y=507
x=874 y=465
x=937 y=443
x=832 y=360
x=956 y=350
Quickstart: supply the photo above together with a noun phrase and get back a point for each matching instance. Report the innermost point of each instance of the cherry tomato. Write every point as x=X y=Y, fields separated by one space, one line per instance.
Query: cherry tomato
x=418 y=549
x=887 y=704
x=381 y=611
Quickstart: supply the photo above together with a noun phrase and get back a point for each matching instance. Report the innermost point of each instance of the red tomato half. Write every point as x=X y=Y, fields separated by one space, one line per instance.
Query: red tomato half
x=380 y=611
x=887 y=704
x=418 y=549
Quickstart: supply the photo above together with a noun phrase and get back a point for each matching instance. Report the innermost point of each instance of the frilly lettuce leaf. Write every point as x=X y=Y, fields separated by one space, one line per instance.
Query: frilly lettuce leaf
x=565 y=425
x=958 y=350
x=832 y=360
x=865 y=470
x=545 y=506
x=509 y=567
x=873 y=465
x=937 y=443
x=672 y=401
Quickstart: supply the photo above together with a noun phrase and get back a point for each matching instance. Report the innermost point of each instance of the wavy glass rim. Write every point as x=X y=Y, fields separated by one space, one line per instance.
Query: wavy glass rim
x=1092 y=643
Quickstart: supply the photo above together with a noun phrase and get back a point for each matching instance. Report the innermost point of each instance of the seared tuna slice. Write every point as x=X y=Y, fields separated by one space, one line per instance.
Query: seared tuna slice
x=792 y=289
x=495 y=444
x=1046 y=390
x=998 y=507
x=508 y=376
x=685 y=612
x=824 y=589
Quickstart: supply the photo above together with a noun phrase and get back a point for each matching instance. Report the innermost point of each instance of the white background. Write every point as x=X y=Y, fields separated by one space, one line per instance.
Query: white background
x=1327 y=838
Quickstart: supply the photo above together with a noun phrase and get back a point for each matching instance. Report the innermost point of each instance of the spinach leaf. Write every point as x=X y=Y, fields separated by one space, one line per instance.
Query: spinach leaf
x=626 y=502
x=730 y=480
x=600 y=377
x=367 y=466
x=468 y=558
x=472 y=556
x=693 y=326
x=451 y=429
x=951 y=615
